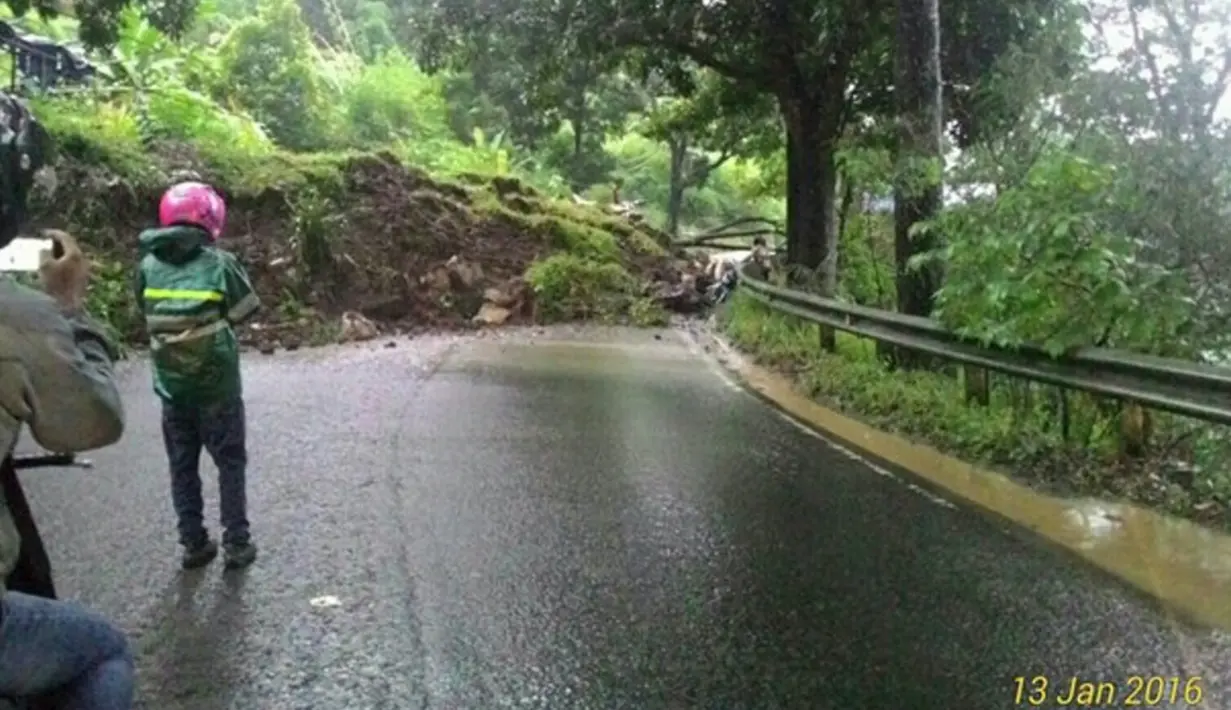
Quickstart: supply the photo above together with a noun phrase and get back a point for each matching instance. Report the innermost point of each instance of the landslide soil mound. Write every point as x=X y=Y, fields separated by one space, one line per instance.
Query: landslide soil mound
x=355 y=235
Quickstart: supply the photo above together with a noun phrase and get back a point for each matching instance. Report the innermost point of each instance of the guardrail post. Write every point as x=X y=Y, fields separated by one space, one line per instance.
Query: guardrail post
x=976 y=381
x=829 y=338
x=1066 y=415
x=1136 y=426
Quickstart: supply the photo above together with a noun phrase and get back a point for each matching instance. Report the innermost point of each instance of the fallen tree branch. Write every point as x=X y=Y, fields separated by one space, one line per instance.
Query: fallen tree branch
x=741 y=221
x=712 y=240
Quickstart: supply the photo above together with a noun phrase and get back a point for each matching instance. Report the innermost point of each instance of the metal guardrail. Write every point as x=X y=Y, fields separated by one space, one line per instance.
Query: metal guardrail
x=1186 y=388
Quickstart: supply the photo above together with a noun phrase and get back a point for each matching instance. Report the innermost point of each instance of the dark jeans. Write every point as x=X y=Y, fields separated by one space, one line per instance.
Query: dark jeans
x=219 y=429
x=63 y=652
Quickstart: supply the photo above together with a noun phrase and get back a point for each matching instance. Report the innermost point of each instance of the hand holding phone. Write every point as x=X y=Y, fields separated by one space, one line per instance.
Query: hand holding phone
x=64 y=270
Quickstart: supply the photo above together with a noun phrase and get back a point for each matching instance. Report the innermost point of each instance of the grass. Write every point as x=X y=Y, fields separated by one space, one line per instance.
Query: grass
x=589 y=258
x=1017 y=432
x=587 y=274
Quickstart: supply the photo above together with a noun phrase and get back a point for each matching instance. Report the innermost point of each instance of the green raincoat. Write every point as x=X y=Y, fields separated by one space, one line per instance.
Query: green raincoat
x=191 y=295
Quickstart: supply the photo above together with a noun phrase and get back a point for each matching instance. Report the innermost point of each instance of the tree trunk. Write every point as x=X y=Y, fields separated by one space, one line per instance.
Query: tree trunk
x=844 y=208
x=578 y=118
x=917 y=184
x=811 y=184
x=578 y=122
x=576 y=167
x=678 y=146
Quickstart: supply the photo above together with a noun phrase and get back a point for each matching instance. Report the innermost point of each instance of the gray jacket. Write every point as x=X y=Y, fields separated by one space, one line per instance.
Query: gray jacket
x=55 y=376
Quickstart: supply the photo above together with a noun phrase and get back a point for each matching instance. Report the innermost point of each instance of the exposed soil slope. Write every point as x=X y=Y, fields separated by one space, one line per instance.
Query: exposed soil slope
x=365 y=237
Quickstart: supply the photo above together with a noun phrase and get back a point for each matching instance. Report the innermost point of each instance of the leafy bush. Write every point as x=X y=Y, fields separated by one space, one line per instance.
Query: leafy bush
x=110 y=299
x=567 y=286
x=647 y=313
x=191 y=116
x=1043 y=263
x=923 y=403
x=1020 y=430
x=867 y=270
x=166 y=84
x=268 y=66
x=96 y=131
x=393 y=100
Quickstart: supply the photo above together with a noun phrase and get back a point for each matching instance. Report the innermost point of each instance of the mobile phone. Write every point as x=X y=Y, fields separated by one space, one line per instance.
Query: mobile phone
x=25 y=254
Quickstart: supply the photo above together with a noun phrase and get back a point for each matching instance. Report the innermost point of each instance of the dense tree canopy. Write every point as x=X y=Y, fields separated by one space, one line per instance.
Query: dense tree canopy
x=825 y=63
x=710 y=112
x=1084 y=162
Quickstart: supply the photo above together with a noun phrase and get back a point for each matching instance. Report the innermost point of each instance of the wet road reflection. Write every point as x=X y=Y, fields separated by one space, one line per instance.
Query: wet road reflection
x=515 y=521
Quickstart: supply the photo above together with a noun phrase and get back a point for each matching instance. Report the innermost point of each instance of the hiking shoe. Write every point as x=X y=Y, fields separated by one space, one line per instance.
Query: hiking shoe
x=240 y=555
x=198 y=556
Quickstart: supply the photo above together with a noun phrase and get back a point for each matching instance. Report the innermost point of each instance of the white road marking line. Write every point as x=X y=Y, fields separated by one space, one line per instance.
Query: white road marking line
x=726 y=377
x=722 y=373
x=874 y=466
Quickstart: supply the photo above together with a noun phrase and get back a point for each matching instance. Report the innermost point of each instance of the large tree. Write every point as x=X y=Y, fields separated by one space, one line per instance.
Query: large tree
x=823 y=61
x=917 y=190
x=703 y=127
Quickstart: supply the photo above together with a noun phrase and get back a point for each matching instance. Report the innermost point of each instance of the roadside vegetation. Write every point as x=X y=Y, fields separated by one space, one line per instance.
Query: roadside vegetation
x=353 y=175
x=1093 y=215
x=364 y=144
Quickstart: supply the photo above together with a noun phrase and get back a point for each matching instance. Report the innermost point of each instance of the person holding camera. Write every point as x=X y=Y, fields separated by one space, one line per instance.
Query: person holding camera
x=56 y=377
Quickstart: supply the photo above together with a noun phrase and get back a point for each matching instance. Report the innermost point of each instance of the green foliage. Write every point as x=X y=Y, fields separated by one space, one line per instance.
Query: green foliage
x=584 y=164
x=867 y=271
x=267 y=67
x=1019 y=431
x=393 y=100
x=580 y=239
x=647 y=313
x=716 y=115
x=826 y=65
x=97 y=131
x=488 y=156
x=315 y=219
x=733 y=190
x=1111 y=198
x=567 y=287
x=362 y=27
x=921 y=403
x=1042 y=264
x=247 y=82
x=110 y=299
x=164 y=79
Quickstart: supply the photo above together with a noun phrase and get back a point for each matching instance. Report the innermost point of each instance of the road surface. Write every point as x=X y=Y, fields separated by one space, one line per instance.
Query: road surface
x=601 y=522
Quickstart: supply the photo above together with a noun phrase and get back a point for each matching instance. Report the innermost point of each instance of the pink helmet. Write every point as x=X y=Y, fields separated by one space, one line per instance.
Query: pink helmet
x=193 y=203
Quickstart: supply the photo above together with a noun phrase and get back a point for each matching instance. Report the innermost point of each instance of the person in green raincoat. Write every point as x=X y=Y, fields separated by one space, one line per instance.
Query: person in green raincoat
x=192 y=294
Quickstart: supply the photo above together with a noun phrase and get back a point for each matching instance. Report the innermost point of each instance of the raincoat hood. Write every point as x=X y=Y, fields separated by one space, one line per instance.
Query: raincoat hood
x=173 y=245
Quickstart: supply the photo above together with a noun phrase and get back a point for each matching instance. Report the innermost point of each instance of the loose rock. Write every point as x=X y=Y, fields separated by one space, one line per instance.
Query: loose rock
x=356 y=328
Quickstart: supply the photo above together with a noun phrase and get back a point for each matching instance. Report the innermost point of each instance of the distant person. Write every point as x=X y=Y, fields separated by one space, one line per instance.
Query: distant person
x=720 y=265
x=56 y=377
x=761 y=253
x=192 y=294
x=724 y=269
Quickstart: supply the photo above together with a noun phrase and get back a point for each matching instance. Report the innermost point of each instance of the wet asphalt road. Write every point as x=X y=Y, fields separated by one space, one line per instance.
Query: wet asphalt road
x=502 y=522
